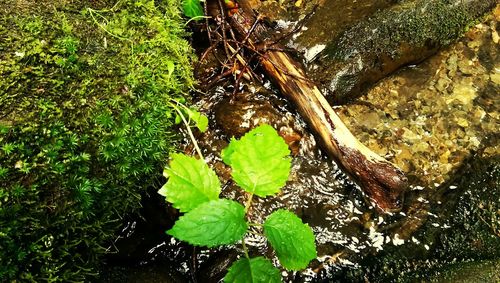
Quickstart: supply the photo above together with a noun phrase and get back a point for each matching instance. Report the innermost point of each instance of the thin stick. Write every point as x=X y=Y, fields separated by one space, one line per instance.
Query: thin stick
x=257 y=20
x=248 y=203
x=188 y=128
x=223 y=25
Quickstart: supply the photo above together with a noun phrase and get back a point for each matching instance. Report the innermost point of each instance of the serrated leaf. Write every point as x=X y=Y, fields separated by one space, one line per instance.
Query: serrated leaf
x=163 y=191
x=229 y=150
x=191 y=182
x=292 y=240
x=254 y=270
x=192 y=8
x=259 y=161
x=212 y=223
x=202 y=123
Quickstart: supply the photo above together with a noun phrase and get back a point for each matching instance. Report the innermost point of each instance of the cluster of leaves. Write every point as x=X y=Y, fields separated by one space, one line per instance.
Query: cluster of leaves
x=85 y=125
x=260 y=166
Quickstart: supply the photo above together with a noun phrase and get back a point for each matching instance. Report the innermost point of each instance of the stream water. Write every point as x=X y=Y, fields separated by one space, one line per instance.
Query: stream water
x=439 y=121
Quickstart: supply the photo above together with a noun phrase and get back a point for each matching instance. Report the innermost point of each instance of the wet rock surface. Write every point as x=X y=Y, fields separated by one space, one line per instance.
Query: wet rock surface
x=470 y=272
x=406 y=33
x=461 y=228
x=327 y=21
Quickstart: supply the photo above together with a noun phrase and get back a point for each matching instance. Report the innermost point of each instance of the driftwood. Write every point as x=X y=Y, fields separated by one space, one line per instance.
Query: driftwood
x=382 y=182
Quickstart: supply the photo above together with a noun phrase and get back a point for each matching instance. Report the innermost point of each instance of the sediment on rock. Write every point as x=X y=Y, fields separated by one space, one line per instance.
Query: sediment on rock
x=403 y=34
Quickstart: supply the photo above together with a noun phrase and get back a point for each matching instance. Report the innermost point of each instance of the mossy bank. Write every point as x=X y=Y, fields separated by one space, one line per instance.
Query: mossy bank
x=85 y=125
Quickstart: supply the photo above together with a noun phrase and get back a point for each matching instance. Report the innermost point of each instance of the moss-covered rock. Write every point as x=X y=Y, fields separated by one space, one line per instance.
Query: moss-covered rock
x=403 y=34
x=84 y=125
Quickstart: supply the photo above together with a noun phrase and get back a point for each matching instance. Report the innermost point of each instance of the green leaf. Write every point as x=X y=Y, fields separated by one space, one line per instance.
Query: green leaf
x=259 y=161
x=212 y=223
x=253 y=270
x=192 y=8
x=292 y=239
x=191 y=182
x=200 y=120
x=178 y=119
x=170 y=67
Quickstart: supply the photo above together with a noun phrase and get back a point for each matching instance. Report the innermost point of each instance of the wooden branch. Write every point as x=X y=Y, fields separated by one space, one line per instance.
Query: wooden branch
x=382 y=182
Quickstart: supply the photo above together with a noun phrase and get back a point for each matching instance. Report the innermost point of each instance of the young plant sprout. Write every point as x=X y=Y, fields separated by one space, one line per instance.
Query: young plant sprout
x=260 y=166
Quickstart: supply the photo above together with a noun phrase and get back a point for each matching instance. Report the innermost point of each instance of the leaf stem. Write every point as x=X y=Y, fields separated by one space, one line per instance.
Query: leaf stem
x=188 y=128
x=245 y=249
x=196 y=18
x=248 y=202
x=92 y=11
x=256 y=233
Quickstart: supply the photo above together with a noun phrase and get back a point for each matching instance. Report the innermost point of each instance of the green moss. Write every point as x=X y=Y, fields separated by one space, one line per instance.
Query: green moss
x=84 y=125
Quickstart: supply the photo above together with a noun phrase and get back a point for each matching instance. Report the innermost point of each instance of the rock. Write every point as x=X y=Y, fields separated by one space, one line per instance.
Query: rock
x=460 y=237
x=236 y=116
x=402 y=34
x=239 y=115
x=463 y=93
x=469 y=272
x=431 y=117
x=143 y=274
x=495 y=78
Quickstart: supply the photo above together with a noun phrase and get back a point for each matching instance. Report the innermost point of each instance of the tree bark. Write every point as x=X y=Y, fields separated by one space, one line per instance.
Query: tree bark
x=382 y=182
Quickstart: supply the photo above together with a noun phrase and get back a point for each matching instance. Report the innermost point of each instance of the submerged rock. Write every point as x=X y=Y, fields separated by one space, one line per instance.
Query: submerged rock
x=403 y=34
x=430 y=118
x=237 y=115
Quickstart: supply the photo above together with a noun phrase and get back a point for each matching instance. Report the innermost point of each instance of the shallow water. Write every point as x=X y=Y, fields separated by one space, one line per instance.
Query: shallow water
x=438 y=121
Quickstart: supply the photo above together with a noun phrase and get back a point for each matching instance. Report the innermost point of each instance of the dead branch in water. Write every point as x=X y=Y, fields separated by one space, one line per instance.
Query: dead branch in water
x=382 y=182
